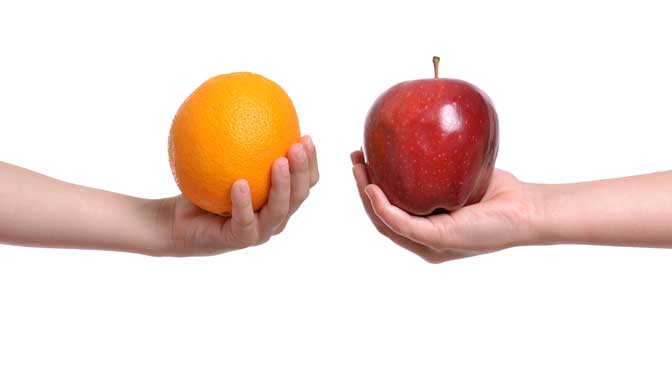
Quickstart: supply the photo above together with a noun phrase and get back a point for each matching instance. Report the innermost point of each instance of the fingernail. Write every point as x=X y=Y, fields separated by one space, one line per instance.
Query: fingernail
x=352 y=158
x=243 y=187
x=284 y=167
x=311 y=145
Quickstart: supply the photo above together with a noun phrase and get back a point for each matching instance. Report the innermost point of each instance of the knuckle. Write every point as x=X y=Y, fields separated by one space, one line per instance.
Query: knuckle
x=314 y=179
x=250 y=241
x=246 y=223
x=263 y=239
x=246 y=240
x=300 y=196
x=281 y=215
x=381 y=228
x=284 y=213
x=432 y=255
x=304 y=194
x=432 y=258
x=280 y=211
x=245 y=236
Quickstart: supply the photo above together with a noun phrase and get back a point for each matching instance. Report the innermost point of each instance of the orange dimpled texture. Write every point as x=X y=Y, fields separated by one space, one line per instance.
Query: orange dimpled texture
x=231 y=127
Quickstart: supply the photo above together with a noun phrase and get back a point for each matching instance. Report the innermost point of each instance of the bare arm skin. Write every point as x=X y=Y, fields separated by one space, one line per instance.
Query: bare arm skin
x=632 y=211
x=36 y=210
x=41 y=211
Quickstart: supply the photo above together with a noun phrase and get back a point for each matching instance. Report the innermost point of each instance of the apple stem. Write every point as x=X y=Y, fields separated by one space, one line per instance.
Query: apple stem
x=436 y=60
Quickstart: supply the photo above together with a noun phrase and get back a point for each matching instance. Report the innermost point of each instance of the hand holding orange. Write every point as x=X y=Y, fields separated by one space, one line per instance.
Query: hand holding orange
x=231 y=127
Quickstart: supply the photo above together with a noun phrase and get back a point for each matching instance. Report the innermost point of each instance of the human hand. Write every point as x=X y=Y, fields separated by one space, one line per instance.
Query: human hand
x=191 y=231
x=504 y=218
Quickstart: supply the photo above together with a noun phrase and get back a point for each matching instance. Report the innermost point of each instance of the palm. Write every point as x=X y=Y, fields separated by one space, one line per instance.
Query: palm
x=496 y=222
x=197 y=232
x=493 y=223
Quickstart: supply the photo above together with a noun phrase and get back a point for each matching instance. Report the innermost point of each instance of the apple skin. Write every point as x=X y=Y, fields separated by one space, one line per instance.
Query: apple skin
x=431 y=144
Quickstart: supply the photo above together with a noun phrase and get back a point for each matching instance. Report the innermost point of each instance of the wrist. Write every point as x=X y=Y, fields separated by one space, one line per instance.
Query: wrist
x=159 y=214
x=550 y=224
x=540 y=224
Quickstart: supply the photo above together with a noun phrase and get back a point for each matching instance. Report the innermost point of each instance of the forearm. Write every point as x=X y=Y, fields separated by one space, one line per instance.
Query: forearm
x=631 y=211
x=36 y=210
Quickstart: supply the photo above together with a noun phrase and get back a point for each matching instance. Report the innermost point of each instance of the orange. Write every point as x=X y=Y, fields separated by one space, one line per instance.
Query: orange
x=231 y=127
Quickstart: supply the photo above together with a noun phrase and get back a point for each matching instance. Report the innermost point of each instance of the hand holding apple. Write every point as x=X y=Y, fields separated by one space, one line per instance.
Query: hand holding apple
x=503 y=218
x=431 y=144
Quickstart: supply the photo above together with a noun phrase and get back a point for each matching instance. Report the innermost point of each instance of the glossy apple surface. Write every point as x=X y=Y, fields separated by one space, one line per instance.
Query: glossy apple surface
x=431 y=144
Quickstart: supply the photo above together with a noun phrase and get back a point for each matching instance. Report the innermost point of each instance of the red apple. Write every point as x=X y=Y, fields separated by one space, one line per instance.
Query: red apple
x=431 y=144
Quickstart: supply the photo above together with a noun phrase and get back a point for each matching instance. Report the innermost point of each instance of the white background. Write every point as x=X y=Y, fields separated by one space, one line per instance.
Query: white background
x=87 y=94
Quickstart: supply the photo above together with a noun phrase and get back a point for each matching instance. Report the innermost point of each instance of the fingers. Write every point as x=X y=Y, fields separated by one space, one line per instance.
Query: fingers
x=300 y=174
x=419 y=235
x=303 y=173
x=418 y=229
x=274 y=213
x=362 y=180
x=311 y=151
x=243 y=220
x=357 y=157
